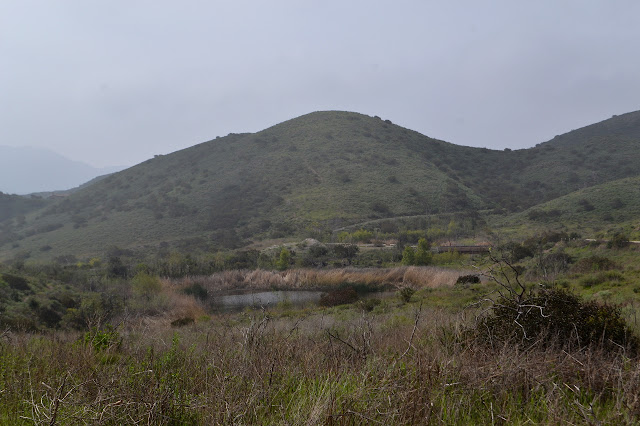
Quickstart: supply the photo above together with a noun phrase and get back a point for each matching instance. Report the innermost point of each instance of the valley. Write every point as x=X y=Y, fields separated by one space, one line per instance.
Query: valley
x=331 y=269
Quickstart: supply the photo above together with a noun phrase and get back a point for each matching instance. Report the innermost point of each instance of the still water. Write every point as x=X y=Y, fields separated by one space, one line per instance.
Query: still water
x=266 y=299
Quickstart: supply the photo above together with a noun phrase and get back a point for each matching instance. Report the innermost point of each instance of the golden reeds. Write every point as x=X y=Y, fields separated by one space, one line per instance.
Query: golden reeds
x=294 y=279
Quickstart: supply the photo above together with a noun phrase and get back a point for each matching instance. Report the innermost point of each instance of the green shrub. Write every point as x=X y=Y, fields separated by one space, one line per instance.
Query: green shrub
x=362 y=235
x=345 y=251
x=196 y=290
x=446 y=258
x=318 y=250
x=369 y=304
x=421 y=256
x=619 y=241
x=146 y=285
x=515 y=252
x=468 y=279
x=586 y=205
x=408 y=256
x=102 y=339
x=540 y=215
x=602 y=277
x=423 y=253
x=284 y=259
x=558 y=317
x=613 y=276
x=591 y=280
x=406 y=294
x=594 y=263
x=16 y=282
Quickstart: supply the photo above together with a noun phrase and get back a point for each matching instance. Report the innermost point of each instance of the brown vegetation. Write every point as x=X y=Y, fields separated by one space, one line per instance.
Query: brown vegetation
x=418 y=277
x=408 y=367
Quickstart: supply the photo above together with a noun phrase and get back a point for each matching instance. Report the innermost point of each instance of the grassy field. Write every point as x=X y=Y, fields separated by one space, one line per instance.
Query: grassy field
x=398 y=364
x=417 y=358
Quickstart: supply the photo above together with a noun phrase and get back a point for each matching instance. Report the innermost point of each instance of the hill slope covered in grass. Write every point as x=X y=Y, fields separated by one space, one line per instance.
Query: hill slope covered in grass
x=606 y=208
x=313 y=174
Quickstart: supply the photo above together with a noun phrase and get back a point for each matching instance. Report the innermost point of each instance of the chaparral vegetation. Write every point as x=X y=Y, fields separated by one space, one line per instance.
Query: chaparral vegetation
x=333 y=269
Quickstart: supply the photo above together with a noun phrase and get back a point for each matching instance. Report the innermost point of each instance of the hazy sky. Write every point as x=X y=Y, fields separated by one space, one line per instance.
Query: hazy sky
x=115 y=82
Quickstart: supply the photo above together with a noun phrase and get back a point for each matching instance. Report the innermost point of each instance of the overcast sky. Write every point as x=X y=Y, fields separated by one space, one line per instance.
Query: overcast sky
x=115 y=82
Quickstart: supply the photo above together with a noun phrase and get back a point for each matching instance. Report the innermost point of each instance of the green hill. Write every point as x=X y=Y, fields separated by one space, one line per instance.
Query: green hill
x=601 y=209
x=314 y=174
x=516 y=180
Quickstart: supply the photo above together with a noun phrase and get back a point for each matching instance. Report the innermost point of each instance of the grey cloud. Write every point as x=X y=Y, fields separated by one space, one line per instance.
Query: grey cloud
x=122 y=81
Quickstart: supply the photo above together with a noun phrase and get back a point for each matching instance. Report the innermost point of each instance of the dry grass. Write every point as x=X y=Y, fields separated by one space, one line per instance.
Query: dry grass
x=295 y=279
x=408 y=366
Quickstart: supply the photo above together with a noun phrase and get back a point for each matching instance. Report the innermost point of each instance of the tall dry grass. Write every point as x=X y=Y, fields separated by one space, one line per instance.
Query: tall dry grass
x=412 y=366
x=296 y=279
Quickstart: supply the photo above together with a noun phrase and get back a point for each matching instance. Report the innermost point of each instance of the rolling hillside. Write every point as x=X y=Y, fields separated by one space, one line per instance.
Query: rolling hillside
x=316 y=173
x=609 y=207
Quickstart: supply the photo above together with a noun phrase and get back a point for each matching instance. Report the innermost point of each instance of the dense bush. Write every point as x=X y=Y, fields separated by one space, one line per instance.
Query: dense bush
x=619 y=241
x=594 y=263
x=16 y=282
x=557 y=317
x=283 y=260
x=602 y=277
x=196 y=290
x=515 y=252
x=370 y=304
x=146 y=285
x=419 y=257
x=405 y=294
x=101 y=339
x=341 y=296
x=318 y=250
x=345 y=251
x=468 y=279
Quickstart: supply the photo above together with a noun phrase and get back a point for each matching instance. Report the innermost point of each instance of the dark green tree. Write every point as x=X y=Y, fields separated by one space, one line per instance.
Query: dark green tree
x=346 y=251
x=283 y=260
x=423 y=253
x=408 y=256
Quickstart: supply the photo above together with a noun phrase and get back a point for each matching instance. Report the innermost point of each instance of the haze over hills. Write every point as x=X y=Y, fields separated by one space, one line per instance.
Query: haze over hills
x=313 y=174
x=25 y=170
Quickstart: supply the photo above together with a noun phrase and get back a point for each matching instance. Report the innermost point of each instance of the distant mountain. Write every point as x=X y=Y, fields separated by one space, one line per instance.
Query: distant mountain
x=314 y=174
x=25 y=170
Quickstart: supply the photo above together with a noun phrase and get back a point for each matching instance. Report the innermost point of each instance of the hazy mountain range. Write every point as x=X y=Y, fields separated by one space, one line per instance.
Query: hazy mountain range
x=25 y=170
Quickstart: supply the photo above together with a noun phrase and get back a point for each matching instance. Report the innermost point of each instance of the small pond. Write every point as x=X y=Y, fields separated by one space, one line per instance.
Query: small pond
x=270 y=299
x=266 y=299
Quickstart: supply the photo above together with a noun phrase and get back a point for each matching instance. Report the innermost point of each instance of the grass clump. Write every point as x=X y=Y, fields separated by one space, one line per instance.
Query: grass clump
x=370 y=304
x=102 y=339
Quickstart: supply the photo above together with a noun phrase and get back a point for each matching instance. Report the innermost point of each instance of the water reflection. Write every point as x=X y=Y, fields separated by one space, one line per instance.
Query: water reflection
x=266 y=299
